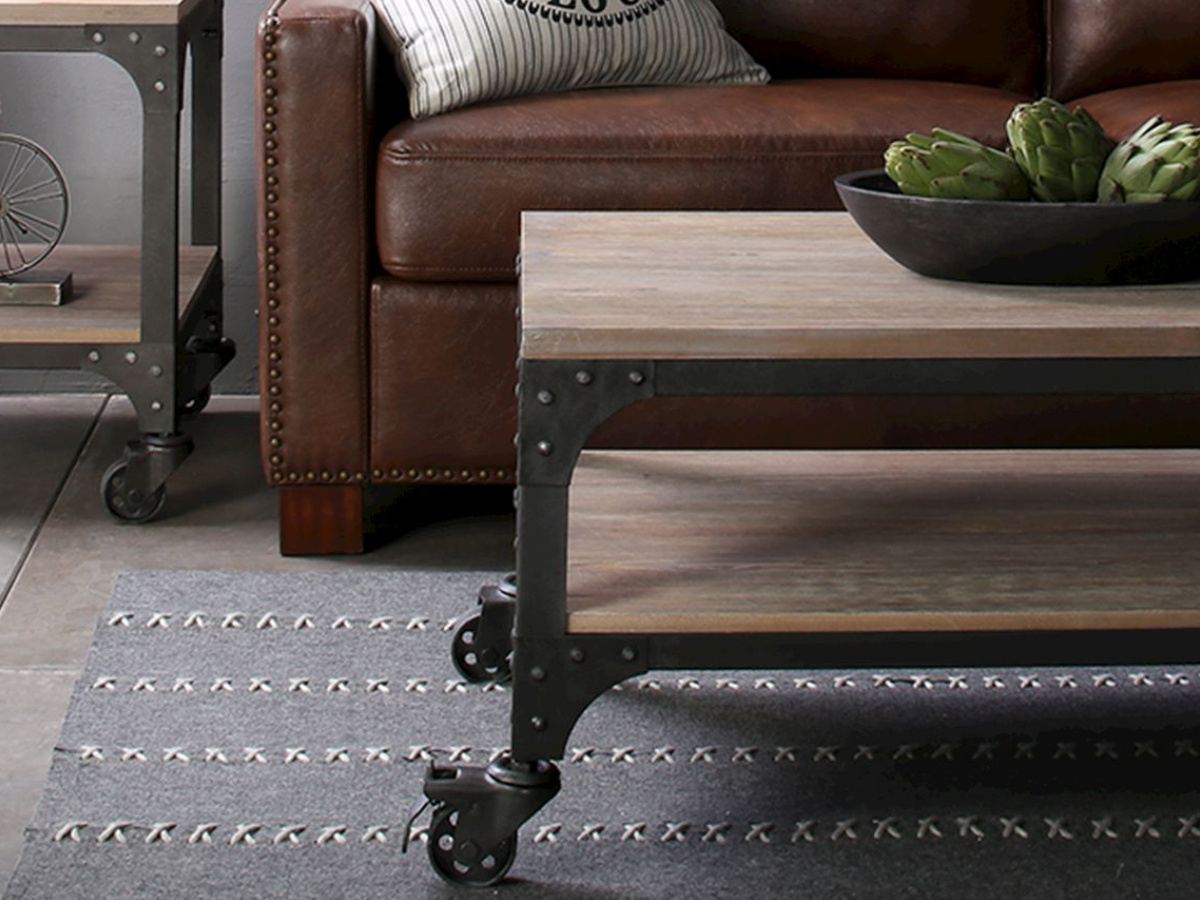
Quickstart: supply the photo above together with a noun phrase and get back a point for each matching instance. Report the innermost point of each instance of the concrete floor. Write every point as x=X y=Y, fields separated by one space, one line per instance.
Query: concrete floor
x=60 y=550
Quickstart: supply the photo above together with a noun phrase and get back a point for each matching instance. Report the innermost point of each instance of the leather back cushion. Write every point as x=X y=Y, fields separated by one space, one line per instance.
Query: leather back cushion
x=1099 y=45
x=996 y=43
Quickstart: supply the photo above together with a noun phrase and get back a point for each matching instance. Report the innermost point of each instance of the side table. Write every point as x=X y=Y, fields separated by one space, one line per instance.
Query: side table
x=621 y=567
x=148 y=318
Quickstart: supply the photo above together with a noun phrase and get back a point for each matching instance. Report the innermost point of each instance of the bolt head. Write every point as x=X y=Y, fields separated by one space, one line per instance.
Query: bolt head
x=636 y=377
x=94 y=356
x=538 y=723
x=545 y=397
x=577 y=655
x=584 y=377
x=545 y=448
x=629 y=654
x=537 y=673
x=131 y=357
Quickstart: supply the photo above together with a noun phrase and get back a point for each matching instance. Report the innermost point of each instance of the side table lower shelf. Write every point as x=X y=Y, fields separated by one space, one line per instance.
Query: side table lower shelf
x=107 y=290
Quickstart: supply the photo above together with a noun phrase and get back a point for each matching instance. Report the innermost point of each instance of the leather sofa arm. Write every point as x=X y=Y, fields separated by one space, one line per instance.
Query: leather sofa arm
x=316 y=89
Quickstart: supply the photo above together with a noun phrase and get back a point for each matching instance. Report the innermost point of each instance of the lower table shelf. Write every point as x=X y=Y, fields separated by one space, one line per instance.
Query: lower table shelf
x=803 y=541
x=106 y=308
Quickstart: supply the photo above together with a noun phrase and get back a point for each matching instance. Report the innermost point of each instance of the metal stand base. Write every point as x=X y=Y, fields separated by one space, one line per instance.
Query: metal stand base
x=36 y=289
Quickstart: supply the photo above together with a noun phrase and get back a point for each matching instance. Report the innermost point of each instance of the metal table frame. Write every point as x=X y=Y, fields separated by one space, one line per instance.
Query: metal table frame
x=556 y=675
x=167 y=373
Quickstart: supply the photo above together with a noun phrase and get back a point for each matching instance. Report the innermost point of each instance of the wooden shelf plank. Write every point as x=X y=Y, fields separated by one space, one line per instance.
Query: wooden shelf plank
x=107 y=297
x=805 y=541
x=94 y=12
x=644 y=285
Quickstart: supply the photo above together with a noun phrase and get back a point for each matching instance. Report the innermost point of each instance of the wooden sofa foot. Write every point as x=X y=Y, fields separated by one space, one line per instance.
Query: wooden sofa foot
x=321 y=520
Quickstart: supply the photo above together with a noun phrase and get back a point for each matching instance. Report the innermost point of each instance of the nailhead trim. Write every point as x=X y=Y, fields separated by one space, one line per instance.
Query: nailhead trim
x=440 y=475
x=271 y=215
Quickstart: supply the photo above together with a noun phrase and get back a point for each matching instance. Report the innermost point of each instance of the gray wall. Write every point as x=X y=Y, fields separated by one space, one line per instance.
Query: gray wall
x=84 y=110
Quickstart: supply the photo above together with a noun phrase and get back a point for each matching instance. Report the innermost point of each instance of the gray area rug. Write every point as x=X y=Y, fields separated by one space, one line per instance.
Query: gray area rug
x=265 y=735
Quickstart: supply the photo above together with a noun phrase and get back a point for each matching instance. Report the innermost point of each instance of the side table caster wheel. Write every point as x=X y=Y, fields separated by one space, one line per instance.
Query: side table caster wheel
x=470 y=868
x=474 y=662
x=125 y=503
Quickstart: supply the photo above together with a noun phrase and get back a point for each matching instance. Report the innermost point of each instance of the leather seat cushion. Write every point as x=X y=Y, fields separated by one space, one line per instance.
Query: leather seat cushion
x=451 y=188
x=1121 y=111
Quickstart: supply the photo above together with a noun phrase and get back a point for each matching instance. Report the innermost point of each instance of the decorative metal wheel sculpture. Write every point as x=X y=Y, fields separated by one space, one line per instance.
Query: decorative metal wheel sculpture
x=33 y=204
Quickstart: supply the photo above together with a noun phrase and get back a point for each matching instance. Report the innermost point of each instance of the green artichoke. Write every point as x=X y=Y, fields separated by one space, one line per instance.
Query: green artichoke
x=1060 y=151
x=953 y=167
x=1160 y=161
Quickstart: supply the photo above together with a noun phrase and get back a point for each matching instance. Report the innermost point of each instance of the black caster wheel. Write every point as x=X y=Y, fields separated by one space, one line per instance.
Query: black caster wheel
x=471 y=869
x=127 y=506
x=475 y=663
x=196 y=404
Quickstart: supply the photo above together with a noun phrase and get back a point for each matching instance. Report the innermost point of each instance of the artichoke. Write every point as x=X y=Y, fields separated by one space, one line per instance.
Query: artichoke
x=1160 y=161
x=1060 y=151
x=953 y=167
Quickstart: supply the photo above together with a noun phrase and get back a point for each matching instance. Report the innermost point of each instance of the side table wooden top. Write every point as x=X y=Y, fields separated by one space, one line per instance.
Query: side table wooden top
x=94 y=12
x=712 y=285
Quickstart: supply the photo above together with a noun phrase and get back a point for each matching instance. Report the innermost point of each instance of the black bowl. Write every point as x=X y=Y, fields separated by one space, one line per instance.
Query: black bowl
x=1026 y=242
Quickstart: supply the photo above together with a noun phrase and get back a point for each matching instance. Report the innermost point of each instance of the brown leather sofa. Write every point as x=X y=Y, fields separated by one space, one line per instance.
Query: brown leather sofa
x=388 y=245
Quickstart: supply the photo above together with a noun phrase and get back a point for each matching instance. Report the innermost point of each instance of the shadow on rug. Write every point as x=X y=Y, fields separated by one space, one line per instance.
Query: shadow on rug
x=264 y=736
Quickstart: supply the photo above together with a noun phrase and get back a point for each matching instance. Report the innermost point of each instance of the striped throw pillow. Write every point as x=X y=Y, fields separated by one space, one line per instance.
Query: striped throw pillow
x=453 y=53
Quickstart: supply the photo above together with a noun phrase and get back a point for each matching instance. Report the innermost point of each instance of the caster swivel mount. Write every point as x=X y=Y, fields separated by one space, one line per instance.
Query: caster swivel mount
x=476 y=814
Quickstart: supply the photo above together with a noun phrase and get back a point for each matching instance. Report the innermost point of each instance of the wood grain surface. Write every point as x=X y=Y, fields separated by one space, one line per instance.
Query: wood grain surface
x=107 y=296
x=630 y=285
x=717 y=542
x=94 y=12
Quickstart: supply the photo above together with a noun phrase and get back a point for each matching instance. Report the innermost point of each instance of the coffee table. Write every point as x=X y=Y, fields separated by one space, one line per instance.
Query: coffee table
x=635 y=560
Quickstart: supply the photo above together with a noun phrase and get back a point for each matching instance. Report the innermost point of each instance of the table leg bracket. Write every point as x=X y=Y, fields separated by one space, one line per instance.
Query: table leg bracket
x=556 y=679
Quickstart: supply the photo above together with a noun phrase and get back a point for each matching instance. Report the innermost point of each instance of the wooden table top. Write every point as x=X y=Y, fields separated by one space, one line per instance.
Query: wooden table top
x=646 y=285
x=94 y=12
